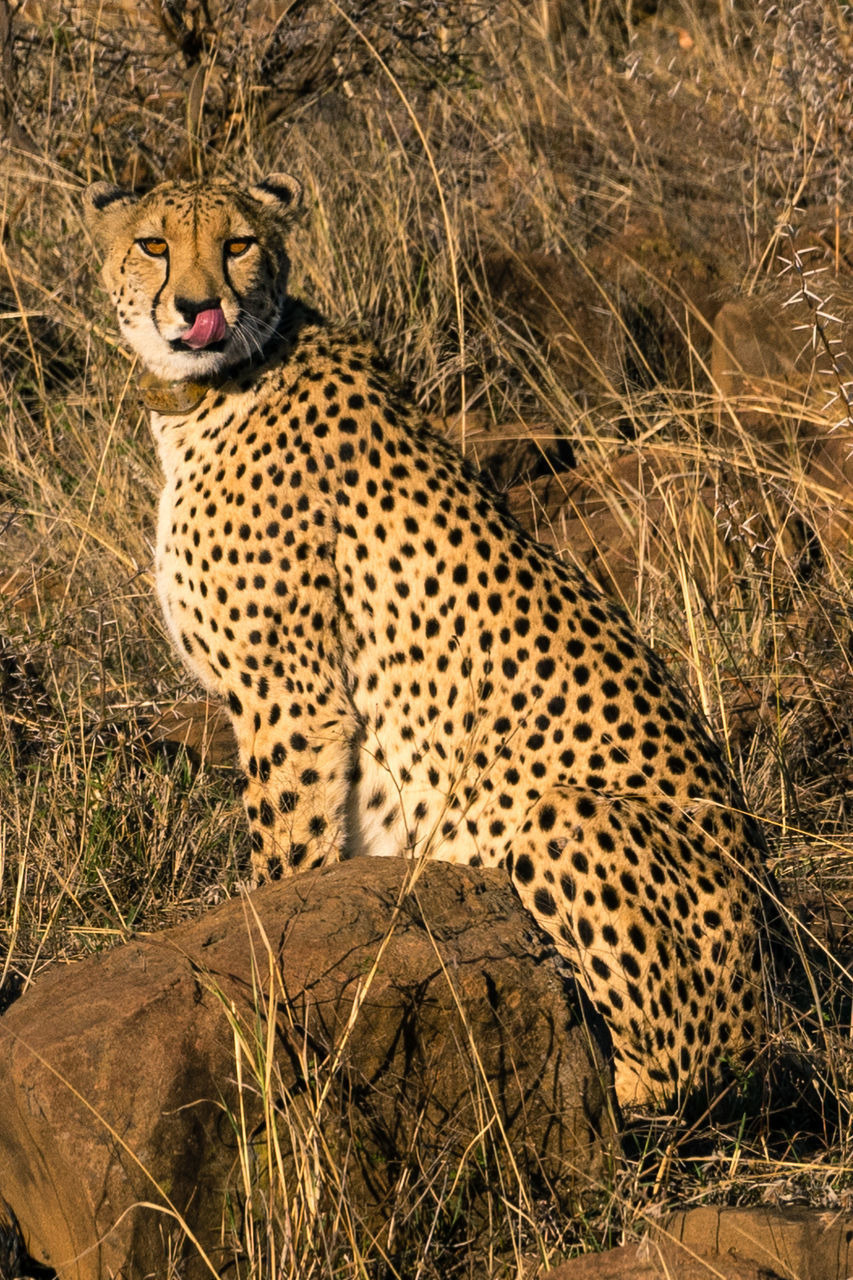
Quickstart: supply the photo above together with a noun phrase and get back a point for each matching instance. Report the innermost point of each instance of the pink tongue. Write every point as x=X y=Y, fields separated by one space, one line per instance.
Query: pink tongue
x=209 y=326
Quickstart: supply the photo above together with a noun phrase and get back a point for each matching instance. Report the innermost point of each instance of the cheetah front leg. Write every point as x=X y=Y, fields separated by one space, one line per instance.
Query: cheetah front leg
x=297 y=759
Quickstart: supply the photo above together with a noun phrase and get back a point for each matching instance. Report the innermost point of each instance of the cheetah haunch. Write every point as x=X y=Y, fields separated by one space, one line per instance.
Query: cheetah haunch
x=408 y=672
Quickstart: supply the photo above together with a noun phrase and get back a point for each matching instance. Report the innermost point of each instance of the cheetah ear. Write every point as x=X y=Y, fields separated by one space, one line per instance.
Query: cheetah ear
x=103 y=198
x=280 y=190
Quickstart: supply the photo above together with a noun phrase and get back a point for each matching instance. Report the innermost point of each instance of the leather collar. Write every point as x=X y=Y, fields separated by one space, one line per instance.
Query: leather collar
x=182 y=398
x=171 y=397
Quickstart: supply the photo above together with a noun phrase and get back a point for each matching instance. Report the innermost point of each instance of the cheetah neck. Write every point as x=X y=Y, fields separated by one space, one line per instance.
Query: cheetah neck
x=172 y=397
x=182 y=398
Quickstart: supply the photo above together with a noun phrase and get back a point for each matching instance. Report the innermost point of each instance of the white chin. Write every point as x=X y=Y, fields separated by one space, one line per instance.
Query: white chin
x=185 y=365
x=176 y=366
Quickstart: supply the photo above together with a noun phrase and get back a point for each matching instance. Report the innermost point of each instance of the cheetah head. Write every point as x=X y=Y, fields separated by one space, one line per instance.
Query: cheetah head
x=197 y=272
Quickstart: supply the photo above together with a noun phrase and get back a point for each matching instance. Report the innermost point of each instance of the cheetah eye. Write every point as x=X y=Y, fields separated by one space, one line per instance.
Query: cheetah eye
x=237 y=247
x=154 y=247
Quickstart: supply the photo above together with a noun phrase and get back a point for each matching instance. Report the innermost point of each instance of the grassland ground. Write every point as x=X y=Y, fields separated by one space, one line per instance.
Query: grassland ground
x=539 y=212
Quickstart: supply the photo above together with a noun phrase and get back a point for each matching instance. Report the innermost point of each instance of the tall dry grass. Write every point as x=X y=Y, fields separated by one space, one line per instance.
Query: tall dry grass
x=537 y=210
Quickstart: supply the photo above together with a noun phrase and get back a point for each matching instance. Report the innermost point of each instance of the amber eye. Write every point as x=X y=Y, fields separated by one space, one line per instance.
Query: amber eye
x=237 y=247
x=154 y=247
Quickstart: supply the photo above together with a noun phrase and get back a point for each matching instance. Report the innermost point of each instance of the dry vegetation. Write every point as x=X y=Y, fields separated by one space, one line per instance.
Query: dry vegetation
x=538 y=211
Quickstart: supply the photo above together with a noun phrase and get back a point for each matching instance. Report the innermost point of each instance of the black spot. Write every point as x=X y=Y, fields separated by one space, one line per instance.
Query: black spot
x=546 y=817
x=524 y=870
x=586 y=933
x=637 y=938
x=609 y=897
x=543 y=902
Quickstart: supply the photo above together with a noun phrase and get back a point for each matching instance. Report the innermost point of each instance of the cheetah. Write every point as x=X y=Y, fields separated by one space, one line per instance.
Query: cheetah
x=407 y=670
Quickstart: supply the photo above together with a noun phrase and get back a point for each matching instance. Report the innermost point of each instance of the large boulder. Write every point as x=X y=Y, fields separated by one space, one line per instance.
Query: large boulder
x=356 y=1027
x=710 y=1243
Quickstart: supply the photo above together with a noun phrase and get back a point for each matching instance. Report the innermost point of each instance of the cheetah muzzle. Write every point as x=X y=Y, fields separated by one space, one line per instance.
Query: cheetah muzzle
x=408 y=672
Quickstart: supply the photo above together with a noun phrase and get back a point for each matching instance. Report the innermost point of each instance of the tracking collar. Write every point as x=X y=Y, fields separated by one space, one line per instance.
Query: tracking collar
x=171 y=397
x=182 y=398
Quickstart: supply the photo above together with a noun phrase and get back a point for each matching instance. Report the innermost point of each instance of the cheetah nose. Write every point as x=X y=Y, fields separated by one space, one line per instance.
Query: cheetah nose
x=208 y=326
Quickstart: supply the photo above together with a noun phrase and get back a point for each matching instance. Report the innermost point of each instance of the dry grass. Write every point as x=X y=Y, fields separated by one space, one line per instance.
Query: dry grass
x=538 y=223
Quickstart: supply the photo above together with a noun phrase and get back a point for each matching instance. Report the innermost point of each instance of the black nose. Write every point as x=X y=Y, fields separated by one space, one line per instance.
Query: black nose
x=189 y=310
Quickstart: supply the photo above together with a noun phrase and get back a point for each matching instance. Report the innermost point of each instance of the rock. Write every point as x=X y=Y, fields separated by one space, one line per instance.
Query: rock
x=624 y=519
x=651 y=1261
x=636 y=519
x=416 y=1024
x=603 y=514
x=202 y=726
x=506 y=451
x=737 y=1244
x=810 y=1244
x=762 y=356
x=775 y=402
x=578 y=327
x=27 y=592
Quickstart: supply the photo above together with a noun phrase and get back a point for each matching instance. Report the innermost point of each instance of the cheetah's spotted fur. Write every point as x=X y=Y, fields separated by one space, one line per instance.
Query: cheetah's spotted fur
x=407 y=670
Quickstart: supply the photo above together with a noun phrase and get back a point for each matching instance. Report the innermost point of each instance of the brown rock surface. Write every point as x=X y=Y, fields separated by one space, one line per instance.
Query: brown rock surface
x=807 y=1243
x=602 y=512
x=778 y=399
x=202 y=726
x=658 y=1261
x=624 y=518
x=754 y=349
x=506 y=450
x=120 y=1080
x=567 y=310
x=636 y=518
x=736 y=1244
